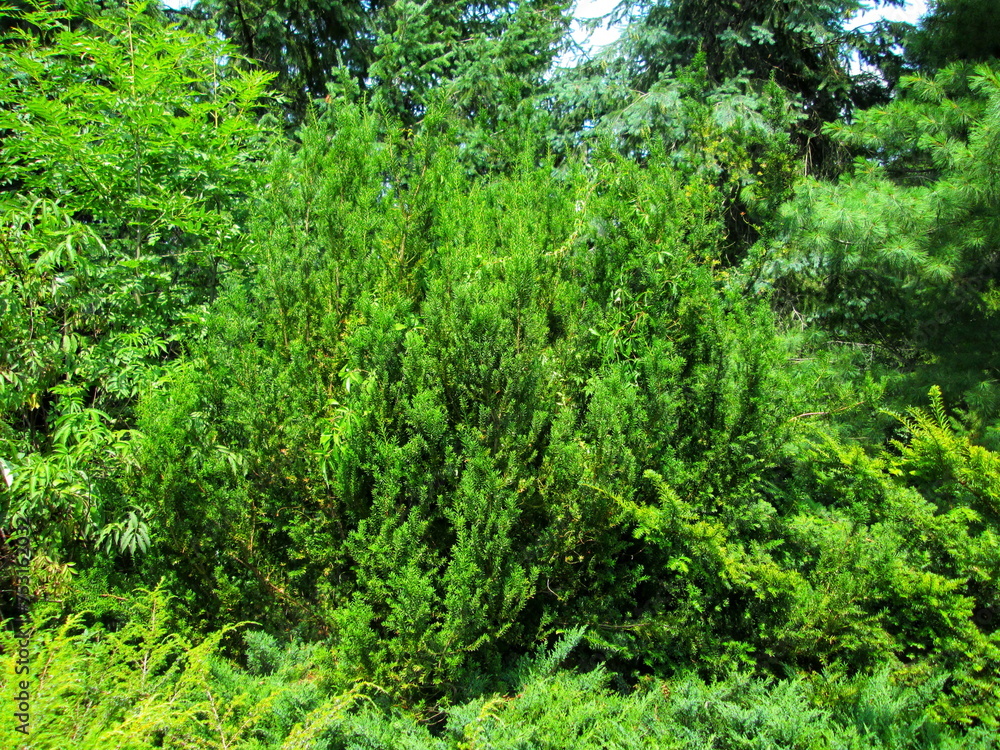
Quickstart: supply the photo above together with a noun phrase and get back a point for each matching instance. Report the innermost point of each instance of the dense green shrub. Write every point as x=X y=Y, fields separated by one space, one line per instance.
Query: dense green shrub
x=901 y=555
x=423 y=424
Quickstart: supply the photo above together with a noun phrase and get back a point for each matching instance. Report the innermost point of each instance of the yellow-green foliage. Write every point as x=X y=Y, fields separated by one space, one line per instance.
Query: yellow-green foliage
x=143 y=685
x=140 y=687
x=942 y=461
x=903 y=558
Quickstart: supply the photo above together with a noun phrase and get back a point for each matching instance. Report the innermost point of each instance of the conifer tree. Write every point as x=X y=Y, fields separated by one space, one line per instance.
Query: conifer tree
x=397 y=50
x=905 y=251
x=955 y=30
x=804 y=47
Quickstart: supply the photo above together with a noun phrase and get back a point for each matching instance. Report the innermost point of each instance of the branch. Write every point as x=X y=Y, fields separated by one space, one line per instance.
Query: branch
x=824 y=413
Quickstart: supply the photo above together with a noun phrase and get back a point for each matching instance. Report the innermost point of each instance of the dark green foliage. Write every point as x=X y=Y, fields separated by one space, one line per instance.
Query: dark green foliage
x=800 y=45
x=902 y=255
x=398 y=51
x=300 y=42
x=955 y=30
x=734 y=135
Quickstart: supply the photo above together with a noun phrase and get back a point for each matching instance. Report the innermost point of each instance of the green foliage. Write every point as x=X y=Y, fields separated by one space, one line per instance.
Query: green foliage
x=940 y=448
x=905 y=553
x=801 y=45
x=801 y=48
x=735 y=134
x=439 y=389
x=488 y=59
x=301 y=43
x=494 y=446
x=127 y=146
x=141 y=687
x=902 y=253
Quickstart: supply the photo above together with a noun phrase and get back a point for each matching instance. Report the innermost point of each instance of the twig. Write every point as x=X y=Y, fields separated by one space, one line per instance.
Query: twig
x=824 y=413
